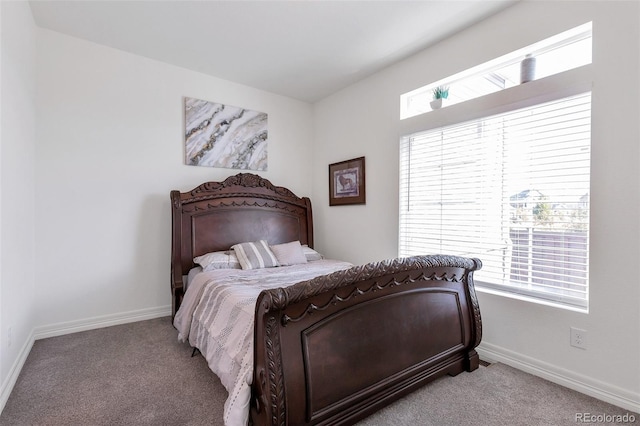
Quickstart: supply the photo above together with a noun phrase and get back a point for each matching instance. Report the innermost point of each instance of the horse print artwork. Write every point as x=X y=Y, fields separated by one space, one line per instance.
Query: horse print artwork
x=346 y=182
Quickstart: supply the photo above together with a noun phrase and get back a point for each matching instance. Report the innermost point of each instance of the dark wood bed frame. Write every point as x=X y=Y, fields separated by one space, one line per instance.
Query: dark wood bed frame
x=332 y=350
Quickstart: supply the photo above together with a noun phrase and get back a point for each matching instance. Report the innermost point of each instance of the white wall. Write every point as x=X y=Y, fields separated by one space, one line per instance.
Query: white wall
x=110 y=148
x=364 y=120
x=17 y=187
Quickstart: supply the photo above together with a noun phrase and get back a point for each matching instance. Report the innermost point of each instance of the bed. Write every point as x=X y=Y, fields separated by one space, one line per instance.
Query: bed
x=334 y=347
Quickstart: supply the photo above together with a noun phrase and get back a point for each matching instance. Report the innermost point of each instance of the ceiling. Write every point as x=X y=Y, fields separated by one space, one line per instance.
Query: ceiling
x=302 y=49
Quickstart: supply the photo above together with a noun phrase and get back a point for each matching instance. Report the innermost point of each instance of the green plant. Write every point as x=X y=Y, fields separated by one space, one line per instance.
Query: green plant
x=543 y=213
x=441 y=92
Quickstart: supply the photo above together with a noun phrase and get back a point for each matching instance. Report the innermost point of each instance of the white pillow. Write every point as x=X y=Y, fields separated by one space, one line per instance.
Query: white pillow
x=289 y=253
x=255 y=255
x=311 y=254
x=218 y=260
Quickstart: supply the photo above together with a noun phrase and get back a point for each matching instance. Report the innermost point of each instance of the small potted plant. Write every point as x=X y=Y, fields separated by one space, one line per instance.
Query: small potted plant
x=439 y=93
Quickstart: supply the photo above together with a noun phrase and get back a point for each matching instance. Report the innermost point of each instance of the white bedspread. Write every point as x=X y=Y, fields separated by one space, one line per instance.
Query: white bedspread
x=217 y=317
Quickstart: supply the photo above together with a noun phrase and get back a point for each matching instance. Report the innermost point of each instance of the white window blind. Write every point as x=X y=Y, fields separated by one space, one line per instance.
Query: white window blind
x=512 y=190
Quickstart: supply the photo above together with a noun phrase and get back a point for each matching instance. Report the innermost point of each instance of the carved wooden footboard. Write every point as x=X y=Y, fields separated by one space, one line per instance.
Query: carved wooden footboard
x=334 y=349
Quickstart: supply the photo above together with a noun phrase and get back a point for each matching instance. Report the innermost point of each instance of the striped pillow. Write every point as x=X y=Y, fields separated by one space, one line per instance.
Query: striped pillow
x=255 y=255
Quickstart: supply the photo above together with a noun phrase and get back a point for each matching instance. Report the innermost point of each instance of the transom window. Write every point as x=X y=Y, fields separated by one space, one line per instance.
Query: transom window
x=568 y=50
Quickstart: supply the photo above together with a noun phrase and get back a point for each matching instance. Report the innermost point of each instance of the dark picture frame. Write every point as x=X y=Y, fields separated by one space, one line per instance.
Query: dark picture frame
x=347 y=182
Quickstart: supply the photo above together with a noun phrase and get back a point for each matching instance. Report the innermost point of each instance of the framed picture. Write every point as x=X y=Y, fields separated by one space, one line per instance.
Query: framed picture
x=346 y=182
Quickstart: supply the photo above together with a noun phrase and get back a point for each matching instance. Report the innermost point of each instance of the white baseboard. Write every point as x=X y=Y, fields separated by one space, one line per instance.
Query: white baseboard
x=69 y=327
x=580 y=383
x=16 y=368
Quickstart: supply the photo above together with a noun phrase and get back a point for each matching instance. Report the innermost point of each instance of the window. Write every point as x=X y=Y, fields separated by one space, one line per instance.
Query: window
x=511 y=189
x=568 y=50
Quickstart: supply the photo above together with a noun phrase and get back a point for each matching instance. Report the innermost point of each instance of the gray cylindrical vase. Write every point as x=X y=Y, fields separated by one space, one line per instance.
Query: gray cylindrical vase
x=527 y=69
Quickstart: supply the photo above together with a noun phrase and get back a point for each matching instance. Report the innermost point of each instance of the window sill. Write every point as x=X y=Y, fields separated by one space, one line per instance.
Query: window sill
x=567 y=83
x=523 y=297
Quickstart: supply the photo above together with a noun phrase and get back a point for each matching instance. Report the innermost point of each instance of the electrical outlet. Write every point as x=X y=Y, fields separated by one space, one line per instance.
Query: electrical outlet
x=578 y=338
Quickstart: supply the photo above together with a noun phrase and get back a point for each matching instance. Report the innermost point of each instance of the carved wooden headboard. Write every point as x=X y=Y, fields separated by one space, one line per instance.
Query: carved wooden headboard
x=216 y=215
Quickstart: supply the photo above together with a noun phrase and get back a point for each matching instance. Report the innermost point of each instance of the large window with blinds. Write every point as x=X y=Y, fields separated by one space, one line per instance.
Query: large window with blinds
x=510 y=189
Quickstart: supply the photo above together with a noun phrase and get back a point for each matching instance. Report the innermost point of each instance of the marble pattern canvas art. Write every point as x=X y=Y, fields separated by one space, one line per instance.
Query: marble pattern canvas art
x=218 y=135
